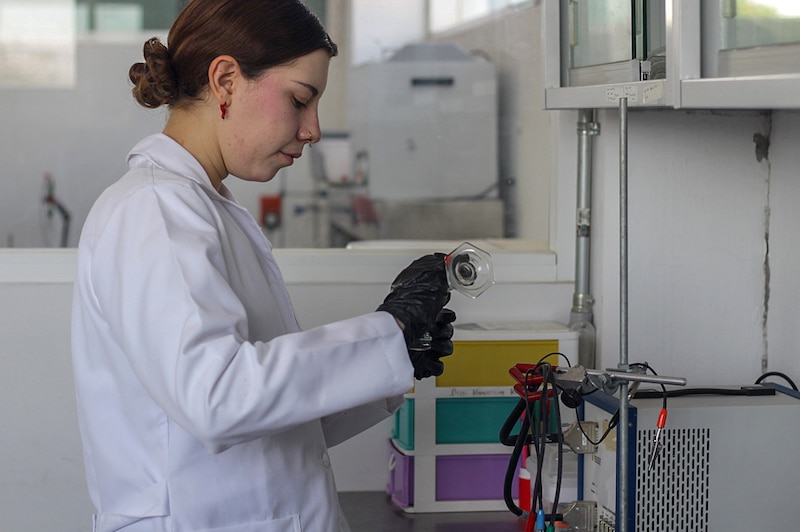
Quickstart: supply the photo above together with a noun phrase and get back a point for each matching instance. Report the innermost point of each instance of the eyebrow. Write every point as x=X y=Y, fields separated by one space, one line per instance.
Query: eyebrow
x=312 y=88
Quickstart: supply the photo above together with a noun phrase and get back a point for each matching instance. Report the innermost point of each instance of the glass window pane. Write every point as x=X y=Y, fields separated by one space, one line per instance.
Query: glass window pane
x=445 y=14
x=600 y=32
x=118 y=18
x=750 y=23
x=37 y=43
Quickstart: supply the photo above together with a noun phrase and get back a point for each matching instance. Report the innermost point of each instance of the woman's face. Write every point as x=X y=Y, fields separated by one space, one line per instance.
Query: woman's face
x=271 y=119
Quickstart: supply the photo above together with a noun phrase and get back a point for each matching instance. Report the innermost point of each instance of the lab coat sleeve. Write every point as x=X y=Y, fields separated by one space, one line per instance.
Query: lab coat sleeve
x=342 y=426
x=161 y=277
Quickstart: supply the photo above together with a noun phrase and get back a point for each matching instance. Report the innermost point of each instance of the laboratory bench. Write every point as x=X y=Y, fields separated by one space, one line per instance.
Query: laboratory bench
x=373 y=511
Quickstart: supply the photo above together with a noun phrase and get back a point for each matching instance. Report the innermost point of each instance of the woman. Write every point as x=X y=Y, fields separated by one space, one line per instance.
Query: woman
x=195 y=404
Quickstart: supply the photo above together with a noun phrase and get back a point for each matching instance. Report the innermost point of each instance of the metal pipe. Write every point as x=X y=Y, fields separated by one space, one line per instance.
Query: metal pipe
x=586 y=129
x=622 y=429
x=581 y=316
x=623 y=233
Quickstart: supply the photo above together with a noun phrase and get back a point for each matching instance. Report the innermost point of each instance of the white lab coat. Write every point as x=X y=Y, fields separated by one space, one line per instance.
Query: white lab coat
x=202 y=406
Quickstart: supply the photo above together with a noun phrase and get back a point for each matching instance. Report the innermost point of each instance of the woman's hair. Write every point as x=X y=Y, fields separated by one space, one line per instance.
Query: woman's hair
x=259 y=34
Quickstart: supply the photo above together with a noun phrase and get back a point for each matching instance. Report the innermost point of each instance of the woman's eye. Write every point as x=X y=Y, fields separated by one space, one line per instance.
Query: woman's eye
x=297 y=103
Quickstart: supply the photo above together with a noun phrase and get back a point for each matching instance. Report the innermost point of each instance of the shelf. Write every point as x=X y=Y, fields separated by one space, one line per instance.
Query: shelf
x=780 y=91
x=654 y=93
x=461 y=391
x=443 y=432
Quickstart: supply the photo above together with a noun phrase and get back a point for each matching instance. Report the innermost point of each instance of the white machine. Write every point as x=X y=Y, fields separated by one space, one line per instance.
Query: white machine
x=726 y=462
x=423 y=133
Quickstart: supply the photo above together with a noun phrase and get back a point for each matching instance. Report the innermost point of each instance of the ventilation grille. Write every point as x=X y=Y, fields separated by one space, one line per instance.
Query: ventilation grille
x=674 y=494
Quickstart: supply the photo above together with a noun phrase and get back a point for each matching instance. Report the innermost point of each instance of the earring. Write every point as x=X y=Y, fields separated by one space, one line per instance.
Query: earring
x=223 y=109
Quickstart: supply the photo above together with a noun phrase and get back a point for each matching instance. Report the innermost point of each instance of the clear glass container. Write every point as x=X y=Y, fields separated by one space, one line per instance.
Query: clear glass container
x=469 y=270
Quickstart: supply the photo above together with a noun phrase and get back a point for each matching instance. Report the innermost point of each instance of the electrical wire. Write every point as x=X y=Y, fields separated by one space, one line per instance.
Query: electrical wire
x=547 y=408
x=518 y=443
x=777 y=374
x=611 y=425
x=615 y=417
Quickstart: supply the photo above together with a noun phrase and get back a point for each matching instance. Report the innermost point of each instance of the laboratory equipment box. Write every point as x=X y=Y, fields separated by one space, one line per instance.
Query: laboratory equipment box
x=726 y=462
x=452 y=422
x=424 y=124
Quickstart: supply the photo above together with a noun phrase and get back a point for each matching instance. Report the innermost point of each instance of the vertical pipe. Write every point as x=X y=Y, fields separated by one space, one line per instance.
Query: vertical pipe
x=581 y=316
x=622 y=427
x=623 y=233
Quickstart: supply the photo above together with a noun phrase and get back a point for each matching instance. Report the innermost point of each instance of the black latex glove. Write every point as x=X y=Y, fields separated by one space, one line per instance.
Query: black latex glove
x=418 y=294
x=427 y=362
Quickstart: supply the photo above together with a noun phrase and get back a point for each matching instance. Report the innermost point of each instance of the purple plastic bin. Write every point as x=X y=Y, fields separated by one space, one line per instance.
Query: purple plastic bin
x=472 y=477
x=401 y=477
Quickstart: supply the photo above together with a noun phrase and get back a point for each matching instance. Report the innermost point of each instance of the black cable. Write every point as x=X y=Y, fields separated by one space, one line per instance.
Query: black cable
x=611 y=425
x=548 y=411
x=519 y=443
x=538 y=444
x=534 y=433
x=506 y=438
x=777 y=374
x=554 y=354
x=649 y=394
x=560 y=469
x=647 y=368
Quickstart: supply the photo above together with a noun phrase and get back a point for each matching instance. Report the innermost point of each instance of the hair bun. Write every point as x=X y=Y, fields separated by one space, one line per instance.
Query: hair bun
x=154 y=81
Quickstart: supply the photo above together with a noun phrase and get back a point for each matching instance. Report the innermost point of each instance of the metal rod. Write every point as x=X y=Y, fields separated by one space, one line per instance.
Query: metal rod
x=623 y=233
x=622 y=429
x=639 y=377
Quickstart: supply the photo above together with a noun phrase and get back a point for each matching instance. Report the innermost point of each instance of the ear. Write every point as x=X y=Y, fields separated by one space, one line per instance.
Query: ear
x=223 y=73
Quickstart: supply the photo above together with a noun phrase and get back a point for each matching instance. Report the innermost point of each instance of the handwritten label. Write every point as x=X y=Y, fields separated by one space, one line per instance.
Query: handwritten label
x=481 y=392
x=653 y=92
x=613 y=94
x=631 y=92
x=616 y=93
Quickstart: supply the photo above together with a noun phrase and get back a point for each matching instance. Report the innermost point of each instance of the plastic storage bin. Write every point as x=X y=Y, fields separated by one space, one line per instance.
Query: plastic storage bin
x=403 y=432
x=446 y=450
x=478 y=477
x=458 y=420
x=401 y=477
x=486 y=363
x=472 y=419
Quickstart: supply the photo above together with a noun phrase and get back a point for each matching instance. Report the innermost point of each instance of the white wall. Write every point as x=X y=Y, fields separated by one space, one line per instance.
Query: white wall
x=701 y=304
x=81 y=135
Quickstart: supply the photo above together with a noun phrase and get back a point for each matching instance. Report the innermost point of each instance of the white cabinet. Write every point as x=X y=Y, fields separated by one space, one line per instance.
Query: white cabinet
x=671 y=53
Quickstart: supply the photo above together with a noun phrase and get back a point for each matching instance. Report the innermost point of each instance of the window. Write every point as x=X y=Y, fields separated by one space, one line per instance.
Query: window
x=130 y=16
x=446 y=14
x=37 y=43
x=747 y=24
